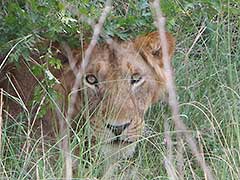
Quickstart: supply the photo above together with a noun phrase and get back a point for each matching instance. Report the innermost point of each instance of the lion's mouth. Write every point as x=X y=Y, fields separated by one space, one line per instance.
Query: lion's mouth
x=119 y=141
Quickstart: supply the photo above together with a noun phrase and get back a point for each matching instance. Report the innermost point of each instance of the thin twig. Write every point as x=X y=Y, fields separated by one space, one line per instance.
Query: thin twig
x=1 y=119
x=173 y=103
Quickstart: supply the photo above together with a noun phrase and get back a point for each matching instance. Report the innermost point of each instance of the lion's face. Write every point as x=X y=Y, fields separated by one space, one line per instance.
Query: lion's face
x=121 y=84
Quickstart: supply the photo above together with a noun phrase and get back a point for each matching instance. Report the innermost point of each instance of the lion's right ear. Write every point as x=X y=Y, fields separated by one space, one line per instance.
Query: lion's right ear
x=149 y=47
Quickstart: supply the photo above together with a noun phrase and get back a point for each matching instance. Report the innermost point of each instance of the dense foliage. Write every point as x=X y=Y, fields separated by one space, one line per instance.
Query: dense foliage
x=26 y=22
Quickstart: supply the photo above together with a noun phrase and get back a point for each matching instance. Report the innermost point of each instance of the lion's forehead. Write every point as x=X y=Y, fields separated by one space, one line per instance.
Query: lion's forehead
x=121 y=62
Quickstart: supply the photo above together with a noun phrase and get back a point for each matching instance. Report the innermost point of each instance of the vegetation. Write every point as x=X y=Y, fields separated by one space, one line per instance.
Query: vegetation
x=207 y=71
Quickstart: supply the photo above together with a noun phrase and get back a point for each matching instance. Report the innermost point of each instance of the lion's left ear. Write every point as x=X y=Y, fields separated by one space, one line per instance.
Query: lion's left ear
x=150 y=49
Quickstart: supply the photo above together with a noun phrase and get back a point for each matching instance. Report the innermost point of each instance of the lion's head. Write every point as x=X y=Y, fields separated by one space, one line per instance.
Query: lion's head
x=120 y=85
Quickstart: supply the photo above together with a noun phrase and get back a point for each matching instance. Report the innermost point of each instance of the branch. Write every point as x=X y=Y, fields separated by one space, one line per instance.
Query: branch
x=173 y=103
x=65 y=131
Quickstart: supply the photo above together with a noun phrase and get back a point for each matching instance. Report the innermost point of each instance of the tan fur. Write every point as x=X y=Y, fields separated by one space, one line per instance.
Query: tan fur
x=114 y=101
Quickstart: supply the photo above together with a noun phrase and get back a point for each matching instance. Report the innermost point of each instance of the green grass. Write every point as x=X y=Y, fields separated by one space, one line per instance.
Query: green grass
x=208 y=87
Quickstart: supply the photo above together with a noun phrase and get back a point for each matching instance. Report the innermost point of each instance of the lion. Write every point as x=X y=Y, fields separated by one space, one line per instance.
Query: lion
x=118 y=86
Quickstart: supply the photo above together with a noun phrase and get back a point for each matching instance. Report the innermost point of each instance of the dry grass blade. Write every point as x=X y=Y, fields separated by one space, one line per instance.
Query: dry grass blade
x=173 y=103
x=168 y=162
x=179 y=157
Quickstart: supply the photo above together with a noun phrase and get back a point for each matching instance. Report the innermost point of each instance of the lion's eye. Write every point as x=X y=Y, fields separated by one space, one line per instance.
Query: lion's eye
x=91 y=79
x=135 y=78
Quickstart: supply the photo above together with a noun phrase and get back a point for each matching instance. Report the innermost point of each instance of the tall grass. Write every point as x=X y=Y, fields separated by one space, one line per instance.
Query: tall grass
x=208 y=86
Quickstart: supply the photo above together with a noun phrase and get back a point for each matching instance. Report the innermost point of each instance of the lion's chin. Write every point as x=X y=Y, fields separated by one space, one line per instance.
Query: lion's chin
x=119 y=150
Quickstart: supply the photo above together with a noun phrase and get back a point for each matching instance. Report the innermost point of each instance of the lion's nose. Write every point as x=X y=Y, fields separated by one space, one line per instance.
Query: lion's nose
x=117 y=129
